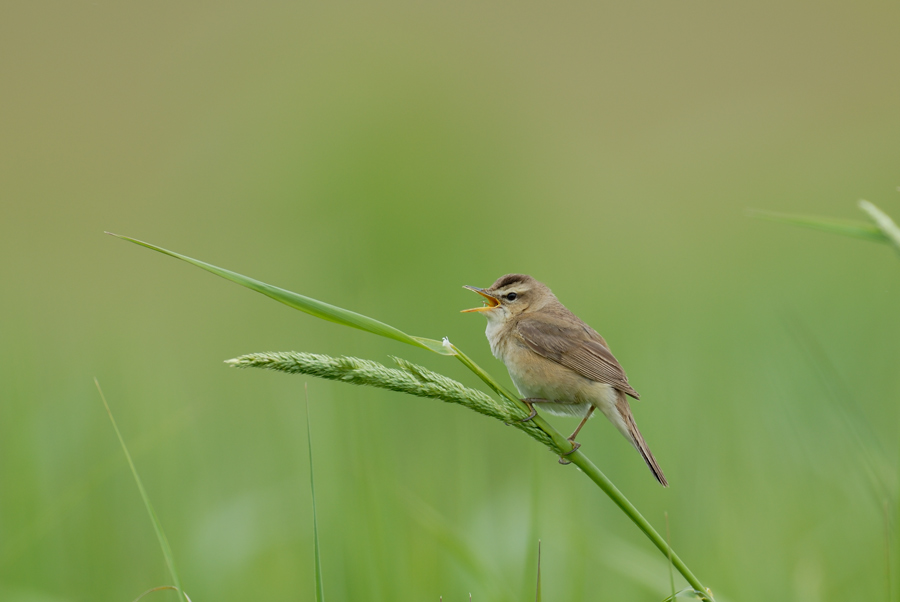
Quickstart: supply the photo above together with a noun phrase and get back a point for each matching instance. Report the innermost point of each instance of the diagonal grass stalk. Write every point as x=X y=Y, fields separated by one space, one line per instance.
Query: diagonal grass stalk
x=157 y=525
x=320 y=587
x=558 y=442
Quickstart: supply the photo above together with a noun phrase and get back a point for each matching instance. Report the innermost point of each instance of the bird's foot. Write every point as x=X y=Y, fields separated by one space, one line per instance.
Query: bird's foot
x=528 y=401
x=575 y=446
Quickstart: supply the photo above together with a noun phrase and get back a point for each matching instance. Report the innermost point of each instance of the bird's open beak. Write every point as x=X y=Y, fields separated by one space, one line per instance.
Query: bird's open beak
x=490 y=301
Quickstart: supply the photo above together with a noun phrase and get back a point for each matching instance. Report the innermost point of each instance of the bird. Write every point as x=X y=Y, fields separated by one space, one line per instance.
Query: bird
x=558 y=361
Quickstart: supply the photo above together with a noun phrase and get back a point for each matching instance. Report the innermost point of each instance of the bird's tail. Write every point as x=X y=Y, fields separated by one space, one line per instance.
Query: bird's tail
x=638 y=440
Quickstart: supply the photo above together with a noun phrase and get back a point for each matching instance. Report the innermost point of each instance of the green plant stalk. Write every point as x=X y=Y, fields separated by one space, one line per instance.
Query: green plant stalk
x=595 y=474
x=355 y=320
x=637 y=518
x=157 y=525
x=320 y=589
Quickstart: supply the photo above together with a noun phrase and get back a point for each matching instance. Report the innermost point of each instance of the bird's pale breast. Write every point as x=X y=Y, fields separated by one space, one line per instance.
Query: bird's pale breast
x=538 y=377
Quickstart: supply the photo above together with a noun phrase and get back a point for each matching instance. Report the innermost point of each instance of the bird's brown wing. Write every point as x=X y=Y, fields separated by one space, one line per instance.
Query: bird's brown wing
x=575 y=346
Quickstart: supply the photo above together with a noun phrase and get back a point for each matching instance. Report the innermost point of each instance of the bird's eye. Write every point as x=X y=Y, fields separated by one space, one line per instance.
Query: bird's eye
x=511 y=296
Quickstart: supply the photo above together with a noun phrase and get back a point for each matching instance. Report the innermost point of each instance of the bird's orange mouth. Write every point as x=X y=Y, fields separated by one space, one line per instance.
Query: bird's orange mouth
x=490 y=301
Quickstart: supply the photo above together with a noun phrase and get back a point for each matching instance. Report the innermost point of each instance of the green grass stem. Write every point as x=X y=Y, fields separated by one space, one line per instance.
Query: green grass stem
x=558 y=442
x=601 y=480
x=320 y=587
x=157 y=525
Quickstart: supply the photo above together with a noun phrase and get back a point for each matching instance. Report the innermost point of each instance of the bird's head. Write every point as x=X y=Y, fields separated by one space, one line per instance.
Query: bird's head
x=510 y=296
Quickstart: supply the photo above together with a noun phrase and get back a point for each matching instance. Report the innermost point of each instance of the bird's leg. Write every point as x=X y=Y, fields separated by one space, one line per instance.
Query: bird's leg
x=530 y=401
x=571 y=438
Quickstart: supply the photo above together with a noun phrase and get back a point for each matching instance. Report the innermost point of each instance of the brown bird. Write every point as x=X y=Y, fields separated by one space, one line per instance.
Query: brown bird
x=556 y=360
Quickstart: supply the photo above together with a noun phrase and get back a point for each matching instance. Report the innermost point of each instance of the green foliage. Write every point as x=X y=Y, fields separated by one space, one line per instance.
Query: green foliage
x=379 y=156
x=353 y=369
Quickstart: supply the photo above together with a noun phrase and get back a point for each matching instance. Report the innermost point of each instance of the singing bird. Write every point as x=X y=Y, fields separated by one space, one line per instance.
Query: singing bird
x=556 y=360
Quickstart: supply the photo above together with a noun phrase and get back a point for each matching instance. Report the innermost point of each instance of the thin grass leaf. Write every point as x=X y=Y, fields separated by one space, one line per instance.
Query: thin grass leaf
x=844 y=227
x=157 y=525
x=320 y=590
x=309 y=305
x=537 y=597
x=883 y=222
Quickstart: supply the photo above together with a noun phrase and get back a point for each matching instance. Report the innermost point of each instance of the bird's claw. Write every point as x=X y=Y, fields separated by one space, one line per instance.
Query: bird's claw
x=575 y=446
x=527 y=418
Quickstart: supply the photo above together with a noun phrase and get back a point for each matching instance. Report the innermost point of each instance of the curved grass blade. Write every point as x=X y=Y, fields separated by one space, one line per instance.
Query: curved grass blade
x=157 y=526
x=309 y=305
x=850 y=228
x=883 y=222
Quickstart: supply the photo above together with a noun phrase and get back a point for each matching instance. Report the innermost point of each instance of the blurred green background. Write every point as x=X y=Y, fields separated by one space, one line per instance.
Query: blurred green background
x=379 y=157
